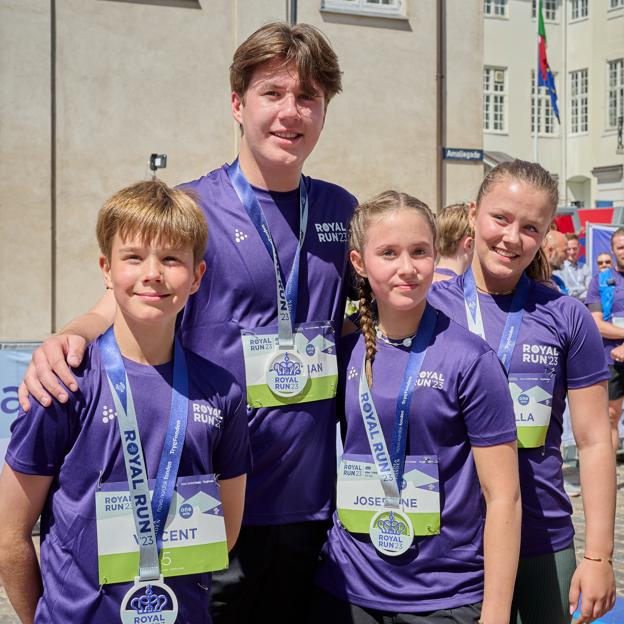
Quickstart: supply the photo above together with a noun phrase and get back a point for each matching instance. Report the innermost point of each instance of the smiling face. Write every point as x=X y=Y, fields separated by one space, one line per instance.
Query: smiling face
x=398 y=260
x=603 y=261
x=572 y=251
x=151 y=281
x=510 y=224
x=281 y=124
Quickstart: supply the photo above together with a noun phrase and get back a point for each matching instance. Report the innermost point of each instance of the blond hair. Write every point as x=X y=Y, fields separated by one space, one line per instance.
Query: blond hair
x=388 y=201
x=536 y=176
x=300 y=44
x=154 y=212
x=452 y=226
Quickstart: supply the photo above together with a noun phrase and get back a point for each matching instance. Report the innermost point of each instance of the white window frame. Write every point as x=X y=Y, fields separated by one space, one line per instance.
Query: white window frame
x=549 y=10
x=495 y=100
x=579 y=10
x=579 y=101
x=616 y=4
x=546 y=124
x=615 y=92
x=366 y=7
x=495 y=8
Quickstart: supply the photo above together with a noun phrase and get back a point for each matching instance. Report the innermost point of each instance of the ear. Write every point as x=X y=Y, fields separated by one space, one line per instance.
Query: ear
x=358 y=264
x=472 y=214
x=468 y=244
x=237 y=106
x=198 y=273
x=106 y=271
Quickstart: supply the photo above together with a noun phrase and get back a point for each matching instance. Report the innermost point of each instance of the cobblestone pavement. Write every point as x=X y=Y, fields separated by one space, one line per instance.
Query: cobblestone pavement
x=7 y=615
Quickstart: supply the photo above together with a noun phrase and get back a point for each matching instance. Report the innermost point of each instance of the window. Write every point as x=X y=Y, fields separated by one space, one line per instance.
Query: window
x=615 y=92
x=494 y=99
x=616 y=4
x=579 y=102
x=579 y=9
x=384 y=8
x=549 y=9
x=545 y=116
x=497 y=8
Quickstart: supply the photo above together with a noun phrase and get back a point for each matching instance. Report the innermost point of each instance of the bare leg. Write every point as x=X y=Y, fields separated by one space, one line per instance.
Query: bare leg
x=615 y=412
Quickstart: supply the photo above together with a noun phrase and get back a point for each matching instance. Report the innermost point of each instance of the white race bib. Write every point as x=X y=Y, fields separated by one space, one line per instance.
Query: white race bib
x=532 y=395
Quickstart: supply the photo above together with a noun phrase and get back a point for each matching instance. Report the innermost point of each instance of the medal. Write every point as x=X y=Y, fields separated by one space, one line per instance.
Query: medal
x=149 y=601
x=391 y=532
x=286 y=375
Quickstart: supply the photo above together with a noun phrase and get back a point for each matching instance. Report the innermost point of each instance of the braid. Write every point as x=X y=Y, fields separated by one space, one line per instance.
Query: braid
x=368 y=328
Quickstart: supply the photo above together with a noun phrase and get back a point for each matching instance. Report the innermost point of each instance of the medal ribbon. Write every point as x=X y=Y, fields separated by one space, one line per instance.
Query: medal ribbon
x=512 y=323
x=286 y=297
x=149 y=515
x=390 y=463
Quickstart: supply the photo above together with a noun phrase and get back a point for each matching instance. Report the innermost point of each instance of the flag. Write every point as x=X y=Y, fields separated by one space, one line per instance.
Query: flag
x=545 y=77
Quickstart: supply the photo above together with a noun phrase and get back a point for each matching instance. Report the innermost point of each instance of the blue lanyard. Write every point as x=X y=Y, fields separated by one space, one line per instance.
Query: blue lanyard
x=286 y=297
x=149 y=519
x=512 y=323
x=390 y=463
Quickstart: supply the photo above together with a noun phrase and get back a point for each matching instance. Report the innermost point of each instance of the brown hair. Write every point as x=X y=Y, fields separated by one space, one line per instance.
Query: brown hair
x=300 y=44
x=572 y=236
x=536 y=176
x=154 y=212
x=388 y=201
x=452 y=225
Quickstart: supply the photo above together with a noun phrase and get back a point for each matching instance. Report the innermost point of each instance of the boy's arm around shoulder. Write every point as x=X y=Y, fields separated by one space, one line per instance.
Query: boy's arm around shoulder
x=22 y=497
x=49 y=362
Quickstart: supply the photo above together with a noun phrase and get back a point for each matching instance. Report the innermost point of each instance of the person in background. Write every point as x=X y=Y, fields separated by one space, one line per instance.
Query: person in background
x=574 y=274
x=603 y=261
x=605 y=300
x=555 y=247
x=454 y=242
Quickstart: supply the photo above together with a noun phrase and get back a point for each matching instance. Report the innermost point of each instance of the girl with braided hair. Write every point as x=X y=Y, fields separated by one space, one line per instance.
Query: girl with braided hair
x=429 y=427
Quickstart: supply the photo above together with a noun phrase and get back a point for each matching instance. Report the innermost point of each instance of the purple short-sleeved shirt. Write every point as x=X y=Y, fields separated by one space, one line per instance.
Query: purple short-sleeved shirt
x=592 y=300
x=469 y=405
x=78 y=443
x=557 y=337
x=293 y=447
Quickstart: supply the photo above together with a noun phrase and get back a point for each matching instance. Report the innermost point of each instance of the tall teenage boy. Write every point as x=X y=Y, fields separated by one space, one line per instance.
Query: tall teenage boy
x=267 y=222
x=84 y=465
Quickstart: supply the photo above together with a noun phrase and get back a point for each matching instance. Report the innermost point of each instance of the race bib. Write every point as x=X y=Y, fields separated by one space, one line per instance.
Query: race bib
x=532 y=395
x=193 y=541
x=360 y=495
x=307 y=372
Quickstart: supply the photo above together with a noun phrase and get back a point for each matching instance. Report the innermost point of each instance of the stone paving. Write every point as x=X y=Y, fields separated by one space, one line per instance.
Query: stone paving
x=7 y=616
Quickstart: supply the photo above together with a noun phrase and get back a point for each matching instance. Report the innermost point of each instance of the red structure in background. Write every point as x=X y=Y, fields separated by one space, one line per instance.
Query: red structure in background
x=568 y=221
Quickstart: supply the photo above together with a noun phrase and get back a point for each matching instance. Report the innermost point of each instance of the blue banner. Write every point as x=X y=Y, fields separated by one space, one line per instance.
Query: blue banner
x=13 y=362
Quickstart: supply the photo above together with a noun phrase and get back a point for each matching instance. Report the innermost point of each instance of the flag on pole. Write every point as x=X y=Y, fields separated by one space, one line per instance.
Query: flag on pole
x=545 y=77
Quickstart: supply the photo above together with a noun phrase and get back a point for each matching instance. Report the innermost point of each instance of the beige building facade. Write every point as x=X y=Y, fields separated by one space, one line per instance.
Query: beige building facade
x=586 y=54
x=92 y=87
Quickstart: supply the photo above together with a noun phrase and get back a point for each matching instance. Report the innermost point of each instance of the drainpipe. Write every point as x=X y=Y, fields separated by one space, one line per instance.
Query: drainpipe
x=440 y=101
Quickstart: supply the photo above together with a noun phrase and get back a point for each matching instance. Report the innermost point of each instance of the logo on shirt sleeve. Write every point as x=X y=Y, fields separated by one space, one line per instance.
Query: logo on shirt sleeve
x=108 y=414
x=331 y=232
x=430 y=379
x=239 y=235
x=207 y=414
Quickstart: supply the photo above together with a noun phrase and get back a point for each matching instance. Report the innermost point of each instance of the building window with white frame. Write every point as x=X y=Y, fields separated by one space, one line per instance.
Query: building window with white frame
x=387 y=8
x=496 y=8
x=494 y=99
x=549 y=10
x=615 y=92
x=545 y=116
x=579 y=9
x=616 y=4
x=579 y=101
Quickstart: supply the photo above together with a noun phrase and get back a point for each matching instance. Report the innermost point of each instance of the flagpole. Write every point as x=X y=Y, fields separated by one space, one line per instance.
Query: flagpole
x=538 y=8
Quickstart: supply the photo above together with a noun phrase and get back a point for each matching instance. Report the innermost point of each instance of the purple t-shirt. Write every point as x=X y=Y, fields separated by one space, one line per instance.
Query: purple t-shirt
x=468 y=405
x=592 y=300
x=557 y=337
x=78 y=443
x=293 y=447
